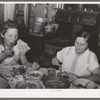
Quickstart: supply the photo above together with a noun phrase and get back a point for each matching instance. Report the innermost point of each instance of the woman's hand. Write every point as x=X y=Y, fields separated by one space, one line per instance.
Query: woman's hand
x=8 y=53
x=55 y=61
x=71 y=76
x=35 y=65
x=23 y=49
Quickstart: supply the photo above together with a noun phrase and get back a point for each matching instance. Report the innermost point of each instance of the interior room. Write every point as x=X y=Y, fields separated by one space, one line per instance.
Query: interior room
x=49 y=27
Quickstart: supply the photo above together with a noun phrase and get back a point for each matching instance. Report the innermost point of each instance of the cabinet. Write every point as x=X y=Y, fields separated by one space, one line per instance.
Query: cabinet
x=36 y=41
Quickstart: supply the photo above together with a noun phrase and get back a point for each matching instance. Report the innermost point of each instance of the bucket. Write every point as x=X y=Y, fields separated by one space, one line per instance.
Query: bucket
x=38 y=25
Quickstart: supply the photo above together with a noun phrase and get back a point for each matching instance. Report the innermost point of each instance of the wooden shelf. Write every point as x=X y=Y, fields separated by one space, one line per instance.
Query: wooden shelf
x=36 y=34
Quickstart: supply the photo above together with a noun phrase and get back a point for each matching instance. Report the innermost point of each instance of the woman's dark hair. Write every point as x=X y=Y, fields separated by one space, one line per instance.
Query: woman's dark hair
x=84 y=34
x=5 y=26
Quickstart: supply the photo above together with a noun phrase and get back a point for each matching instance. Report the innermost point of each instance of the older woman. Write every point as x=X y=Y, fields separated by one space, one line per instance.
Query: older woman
x=12 y=50
x=78 y=62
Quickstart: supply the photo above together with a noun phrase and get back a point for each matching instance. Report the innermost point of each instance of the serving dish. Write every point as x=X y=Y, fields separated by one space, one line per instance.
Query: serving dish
x=36 y=75
x=55 y=82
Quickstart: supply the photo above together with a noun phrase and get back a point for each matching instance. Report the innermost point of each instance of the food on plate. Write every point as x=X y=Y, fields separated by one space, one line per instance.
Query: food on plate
x=33 y=85
x=51 y=81
x=59 y=74
x=63 y=74
x=18 y=70
x=20 y=85
x=36 y=75
x=17 y=81
x=28 y=85
x=52 y=71
x=55 y=84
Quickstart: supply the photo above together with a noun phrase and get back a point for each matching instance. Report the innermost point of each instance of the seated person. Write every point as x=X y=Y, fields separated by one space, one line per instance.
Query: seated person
x=11 y=51
x=79 y=63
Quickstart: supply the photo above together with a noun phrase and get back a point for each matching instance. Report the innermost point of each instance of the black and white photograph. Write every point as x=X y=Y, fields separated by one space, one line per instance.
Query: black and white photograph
x=48 y=46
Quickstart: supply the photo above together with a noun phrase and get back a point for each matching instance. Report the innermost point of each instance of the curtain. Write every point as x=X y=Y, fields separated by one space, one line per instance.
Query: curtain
x=26 y=14
x=39 y=11
x=9 y=11
x=61 y=6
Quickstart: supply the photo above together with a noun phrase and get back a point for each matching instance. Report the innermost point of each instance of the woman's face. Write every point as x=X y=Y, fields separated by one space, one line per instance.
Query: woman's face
x=11 y=36
x=80 y=45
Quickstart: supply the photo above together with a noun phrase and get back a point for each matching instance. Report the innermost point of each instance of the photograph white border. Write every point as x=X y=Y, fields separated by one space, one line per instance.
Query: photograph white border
x=50 y=93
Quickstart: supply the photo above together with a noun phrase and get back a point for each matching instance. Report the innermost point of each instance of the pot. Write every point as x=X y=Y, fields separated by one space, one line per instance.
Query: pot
x=38 y=25
x=49 y=28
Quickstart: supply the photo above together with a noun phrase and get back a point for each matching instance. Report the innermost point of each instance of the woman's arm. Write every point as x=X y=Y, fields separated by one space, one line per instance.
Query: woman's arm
x=35 y=65
x=23 y=49
x=94 y=69
x=55 y=61
x=24 y=60
x=95 y=77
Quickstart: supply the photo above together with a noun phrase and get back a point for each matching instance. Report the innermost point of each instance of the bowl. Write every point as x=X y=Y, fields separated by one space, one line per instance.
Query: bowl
x=55 y=82
x=18 y=69
x=36 y=75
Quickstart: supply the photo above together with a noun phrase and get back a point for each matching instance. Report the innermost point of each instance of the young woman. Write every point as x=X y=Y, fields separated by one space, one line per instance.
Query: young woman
x=12 y=50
